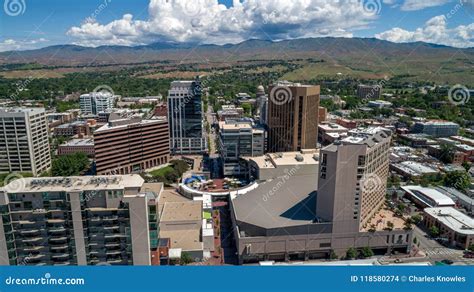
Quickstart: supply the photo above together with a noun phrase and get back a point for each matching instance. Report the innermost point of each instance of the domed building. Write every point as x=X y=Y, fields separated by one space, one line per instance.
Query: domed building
x=260 y=91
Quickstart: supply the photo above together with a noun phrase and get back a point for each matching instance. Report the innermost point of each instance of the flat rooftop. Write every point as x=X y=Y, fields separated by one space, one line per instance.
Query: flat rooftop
x=187 y=240
x=277 y=203
x=368 y=136
x=420 y=192
x=414 y=168
x=74 y=183
x=128 y=122
x=273 y=160
x=453 y=219
x=79 y=142
x=438 y=123
x=182 y=211
x=233 y=126
x=332 y=127
x=13 y=110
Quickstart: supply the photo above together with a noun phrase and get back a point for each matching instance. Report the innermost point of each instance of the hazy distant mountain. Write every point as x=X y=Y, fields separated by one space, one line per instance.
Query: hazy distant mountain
x=319 y=48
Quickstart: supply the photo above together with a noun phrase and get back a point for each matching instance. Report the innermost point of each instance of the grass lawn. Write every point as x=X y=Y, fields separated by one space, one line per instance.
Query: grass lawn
x=206 y=215
x=162 y=171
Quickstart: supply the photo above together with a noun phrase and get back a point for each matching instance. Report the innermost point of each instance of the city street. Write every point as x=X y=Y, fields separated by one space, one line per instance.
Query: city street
x=435 y=251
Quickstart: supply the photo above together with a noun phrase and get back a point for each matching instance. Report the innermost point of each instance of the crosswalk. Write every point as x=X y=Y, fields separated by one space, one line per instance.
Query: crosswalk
x=442 y=251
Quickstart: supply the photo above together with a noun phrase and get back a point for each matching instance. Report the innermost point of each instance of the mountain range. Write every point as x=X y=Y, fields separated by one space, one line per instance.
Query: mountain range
x=349 y=54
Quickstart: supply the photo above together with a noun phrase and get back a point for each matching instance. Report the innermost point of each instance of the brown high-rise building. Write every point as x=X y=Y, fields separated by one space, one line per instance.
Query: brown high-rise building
x=131 y=145
x=292 y=117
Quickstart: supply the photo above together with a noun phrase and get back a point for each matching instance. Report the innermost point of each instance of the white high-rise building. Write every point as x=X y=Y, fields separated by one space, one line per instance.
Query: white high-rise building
x=96 y=102
x=185 y=117
x=24 y=144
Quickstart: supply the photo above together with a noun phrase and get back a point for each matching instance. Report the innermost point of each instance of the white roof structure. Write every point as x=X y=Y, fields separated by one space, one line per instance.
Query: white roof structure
x=428 y=196
x=452 y=219
x=414 y=168
x=175 y=253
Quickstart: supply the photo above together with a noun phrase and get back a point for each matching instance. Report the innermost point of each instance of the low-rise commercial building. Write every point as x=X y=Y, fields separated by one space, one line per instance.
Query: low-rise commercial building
x=436 y=128
x=77 y=145
x=349 y=124
x=413 y=169
x=427 y=197
x=379 y=104
x=455 y=227
x=76 y=128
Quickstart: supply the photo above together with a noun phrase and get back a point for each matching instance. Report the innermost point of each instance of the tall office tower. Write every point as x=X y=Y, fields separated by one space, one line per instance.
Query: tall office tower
x=369 y=91
x=185 y=117
x=96 y=102
x=24 y=144
x=131 y=145
x=86 y=220
x=239 y=138
x=292 y=117
x=352 y=179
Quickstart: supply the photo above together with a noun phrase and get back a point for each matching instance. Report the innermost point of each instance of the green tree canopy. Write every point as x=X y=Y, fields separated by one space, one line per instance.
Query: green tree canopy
x=70 y=165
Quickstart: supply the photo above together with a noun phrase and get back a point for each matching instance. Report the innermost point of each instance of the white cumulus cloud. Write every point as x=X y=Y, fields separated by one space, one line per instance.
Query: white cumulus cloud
x=12 y=44
x=411 y=5
x=210 y=22
x=434 y=31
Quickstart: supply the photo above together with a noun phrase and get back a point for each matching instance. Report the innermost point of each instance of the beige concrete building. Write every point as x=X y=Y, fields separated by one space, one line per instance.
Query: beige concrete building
x=455 y=227
x=300 y=216
x=131 y=145
x=273 y=165
x=181 y=222
x=292 y=120
x=95 y=220
x=24 y=143
x=353 y=178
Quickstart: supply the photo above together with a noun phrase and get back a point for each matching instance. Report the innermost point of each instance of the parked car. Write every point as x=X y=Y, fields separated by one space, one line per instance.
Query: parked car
x=469 y=255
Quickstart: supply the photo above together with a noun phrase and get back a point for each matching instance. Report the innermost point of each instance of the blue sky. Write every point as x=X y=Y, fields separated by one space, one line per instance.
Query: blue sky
x=130 y=22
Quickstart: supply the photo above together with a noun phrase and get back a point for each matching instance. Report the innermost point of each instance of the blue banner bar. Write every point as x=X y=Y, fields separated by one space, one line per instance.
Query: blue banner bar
x=380 y=279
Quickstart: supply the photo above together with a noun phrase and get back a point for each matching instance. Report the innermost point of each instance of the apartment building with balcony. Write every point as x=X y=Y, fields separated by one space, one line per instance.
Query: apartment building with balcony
x=24 y=143
x=96 y=220
x=130 y=145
